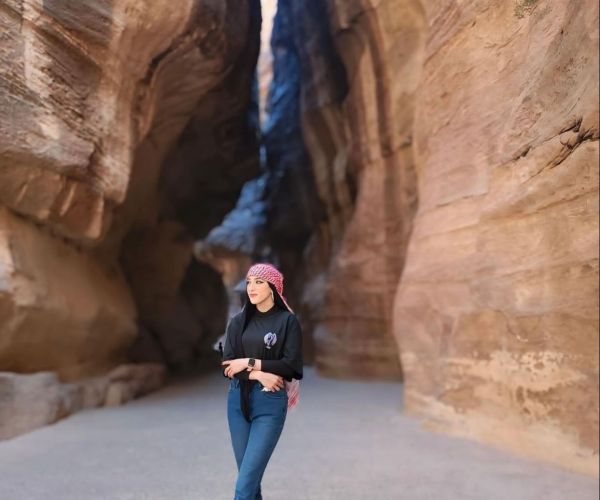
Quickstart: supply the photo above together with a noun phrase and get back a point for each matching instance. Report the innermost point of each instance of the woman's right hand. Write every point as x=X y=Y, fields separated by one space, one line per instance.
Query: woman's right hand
x=271 y=381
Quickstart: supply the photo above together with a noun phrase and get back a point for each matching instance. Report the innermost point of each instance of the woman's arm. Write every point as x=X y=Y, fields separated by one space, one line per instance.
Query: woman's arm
x=276 y=366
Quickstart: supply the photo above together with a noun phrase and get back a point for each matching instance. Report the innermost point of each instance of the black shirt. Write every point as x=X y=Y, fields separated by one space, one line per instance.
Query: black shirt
x=274 y=337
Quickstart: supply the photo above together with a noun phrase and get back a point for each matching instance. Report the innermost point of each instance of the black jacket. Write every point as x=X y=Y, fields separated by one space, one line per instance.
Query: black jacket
x=284 y=357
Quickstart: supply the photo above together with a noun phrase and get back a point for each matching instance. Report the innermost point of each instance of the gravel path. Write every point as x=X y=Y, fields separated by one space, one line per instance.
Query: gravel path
x=349 y=441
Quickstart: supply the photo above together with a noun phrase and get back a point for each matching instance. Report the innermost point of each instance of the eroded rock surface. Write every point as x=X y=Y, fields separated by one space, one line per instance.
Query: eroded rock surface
x=496 y=314
x=122 y=124
x=339 y=65
x=457 y=162
x=28 y=401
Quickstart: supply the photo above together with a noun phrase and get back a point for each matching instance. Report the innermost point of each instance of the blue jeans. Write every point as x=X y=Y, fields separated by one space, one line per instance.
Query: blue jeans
x=253 y=442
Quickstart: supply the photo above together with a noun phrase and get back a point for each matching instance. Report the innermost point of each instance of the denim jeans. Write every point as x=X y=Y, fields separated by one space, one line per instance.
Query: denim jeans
x=253 y=442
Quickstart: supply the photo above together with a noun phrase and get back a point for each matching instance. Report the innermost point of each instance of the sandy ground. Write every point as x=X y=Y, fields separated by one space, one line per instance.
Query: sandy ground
x=346 y=440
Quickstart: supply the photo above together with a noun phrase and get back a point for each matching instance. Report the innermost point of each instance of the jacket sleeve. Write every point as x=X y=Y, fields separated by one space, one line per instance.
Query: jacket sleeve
x=278 y=367
x=290 y=364
x=229 y=354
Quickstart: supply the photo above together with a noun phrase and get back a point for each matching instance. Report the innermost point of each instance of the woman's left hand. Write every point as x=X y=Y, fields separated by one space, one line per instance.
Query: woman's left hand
x=235 y=366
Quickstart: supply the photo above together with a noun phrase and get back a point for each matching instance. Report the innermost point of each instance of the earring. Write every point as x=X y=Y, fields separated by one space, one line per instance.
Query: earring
x=272 y=296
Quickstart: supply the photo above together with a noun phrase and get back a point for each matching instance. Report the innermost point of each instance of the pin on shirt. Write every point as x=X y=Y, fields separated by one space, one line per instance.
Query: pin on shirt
x=270 y=339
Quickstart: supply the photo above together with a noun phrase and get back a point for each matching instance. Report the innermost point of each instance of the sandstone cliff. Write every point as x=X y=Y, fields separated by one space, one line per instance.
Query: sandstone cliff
x=454 y=152
x=126 y=132
x=486 y=114
x=496 y=314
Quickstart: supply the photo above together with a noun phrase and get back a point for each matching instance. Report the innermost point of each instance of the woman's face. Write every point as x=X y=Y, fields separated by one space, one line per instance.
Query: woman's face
x=258 y=289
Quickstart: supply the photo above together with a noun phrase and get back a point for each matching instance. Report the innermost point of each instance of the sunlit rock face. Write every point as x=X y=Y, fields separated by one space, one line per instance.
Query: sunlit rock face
x=127 y=129
x=496 y=313
x=60 y=309
x=455 y=157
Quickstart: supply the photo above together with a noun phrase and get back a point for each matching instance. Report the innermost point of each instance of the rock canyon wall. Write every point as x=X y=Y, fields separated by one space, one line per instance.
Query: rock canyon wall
x=358 y=128
x=126 y=132
x=454 y=153
x=496 y=314
x=471 y=131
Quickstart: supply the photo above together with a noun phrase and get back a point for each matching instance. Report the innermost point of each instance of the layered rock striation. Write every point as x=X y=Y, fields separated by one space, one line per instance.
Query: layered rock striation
x=126 y=131
x=496 y=313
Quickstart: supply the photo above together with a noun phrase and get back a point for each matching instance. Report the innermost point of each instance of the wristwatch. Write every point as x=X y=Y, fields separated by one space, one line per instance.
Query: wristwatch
x=251 y=362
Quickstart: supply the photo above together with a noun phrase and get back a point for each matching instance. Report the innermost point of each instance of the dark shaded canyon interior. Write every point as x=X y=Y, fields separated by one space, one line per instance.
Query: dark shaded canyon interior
x=223 y=150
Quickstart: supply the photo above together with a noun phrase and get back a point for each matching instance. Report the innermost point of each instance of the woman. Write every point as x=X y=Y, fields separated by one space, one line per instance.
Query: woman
x=258 y=398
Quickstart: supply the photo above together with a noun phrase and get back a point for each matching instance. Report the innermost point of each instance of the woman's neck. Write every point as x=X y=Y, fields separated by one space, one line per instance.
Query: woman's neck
x=263 y=309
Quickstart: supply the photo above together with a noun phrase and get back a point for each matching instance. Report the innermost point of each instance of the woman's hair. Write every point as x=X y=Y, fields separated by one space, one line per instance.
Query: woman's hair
x=249 y=308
